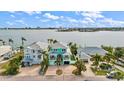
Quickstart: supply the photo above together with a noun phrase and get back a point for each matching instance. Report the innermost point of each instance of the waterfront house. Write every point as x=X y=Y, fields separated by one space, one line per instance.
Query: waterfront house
x=85 y=53
x=5 y=49
x=59 y=51
x=33 y=54
x=92 y=51
x=6 y=52
x=83 y=56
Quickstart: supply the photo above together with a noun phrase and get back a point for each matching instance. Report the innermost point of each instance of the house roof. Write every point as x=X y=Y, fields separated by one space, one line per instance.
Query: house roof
x=58 y=45
x=38 y=45
x=5 y=49
x=84 y=56
x=93 y=50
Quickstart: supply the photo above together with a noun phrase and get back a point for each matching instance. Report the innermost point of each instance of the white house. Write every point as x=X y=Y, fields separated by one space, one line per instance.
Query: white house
x=6 y=52
x=33 y=53
x=5 y=49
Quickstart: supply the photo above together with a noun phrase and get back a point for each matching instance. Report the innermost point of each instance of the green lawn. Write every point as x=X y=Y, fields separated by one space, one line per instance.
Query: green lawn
x=99 y=72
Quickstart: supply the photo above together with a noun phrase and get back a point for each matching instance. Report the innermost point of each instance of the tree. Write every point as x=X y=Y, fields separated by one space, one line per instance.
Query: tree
x=80 y=66
x=23 y=39
x=10 y=41
x=3 y=42
x=108 y=48
x=119 y=52
x=58 y=63
x=69 y=44
x=73 y=48
x=55 y=41
x=96 y=59
x=50 y=41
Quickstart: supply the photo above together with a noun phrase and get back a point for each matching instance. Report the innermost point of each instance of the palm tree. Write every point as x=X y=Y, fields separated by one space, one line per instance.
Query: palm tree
x=80 y=66
x=50 y=41
x=23 y=39
x=108 y=48
x=58 y=63
x=69 y=44
x=10 y=41
x=96 y=59
x=55 y=41
x=3 y=42
x=119 y=52
x=73 y=49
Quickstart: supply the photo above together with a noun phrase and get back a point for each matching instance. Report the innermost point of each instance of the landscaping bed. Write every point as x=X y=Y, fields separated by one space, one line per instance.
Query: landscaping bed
x=99 y=72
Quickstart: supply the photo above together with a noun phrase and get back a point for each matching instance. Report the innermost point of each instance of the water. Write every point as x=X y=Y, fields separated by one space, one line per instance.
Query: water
x=115 y=39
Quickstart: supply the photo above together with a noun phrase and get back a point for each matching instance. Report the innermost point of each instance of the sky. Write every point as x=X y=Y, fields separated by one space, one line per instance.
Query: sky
x=61 y=19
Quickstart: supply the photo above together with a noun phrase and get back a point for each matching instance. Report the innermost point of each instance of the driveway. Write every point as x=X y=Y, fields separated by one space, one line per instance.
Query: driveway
x=119 y=67
x=67 y=70
x=88 y=75
x=29 y=71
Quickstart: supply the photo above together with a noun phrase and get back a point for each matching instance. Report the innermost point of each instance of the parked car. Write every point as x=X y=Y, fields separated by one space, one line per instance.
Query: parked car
x=114 y=75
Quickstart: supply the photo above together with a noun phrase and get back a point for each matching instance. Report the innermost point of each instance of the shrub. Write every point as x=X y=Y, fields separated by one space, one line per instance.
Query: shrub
x=75 y=72
x=13 y=67
x=58 y=71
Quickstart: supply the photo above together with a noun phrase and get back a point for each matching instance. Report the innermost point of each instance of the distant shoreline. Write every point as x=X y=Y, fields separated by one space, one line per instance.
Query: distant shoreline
x=113 y=29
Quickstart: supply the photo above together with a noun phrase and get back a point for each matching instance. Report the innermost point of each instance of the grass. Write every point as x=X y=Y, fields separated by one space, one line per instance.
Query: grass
x=5 y=65
x=99 y=72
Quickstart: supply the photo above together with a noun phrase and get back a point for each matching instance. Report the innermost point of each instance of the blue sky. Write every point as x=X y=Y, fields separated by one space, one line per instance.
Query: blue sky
x=61 y=19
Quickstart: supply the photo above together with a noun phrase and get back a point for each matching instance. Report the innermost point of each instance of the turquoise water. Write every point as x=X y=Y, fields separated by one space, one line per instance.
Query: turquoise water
x=83 y=38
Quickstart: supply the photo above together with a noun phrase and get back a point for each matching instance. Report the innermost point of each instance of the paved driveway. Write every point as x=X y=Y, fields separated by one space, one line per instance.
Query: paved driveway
x=67 y=70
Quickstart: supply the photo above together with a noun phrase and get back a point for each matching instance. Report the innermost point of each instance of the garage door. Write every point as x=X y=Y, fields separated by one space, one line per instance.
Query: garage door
x=66 y=62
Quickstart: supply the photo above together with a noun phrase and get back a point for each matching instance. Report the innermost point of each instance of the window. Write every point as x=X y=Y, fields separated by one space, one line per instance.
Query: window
x=33 y=56
x=39 y=51
x=52 y=57
x=33 y=51
x=66 y=57
x=55 y=50
x=39 y=56
x=63 y=50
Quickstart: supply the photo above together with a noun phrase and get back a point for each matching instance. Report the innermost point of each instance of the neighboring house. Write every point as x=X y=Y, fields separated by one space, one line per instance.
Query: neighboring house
x=59 y=52
x=33 y=53
x=92 y=51
x=84 y=57
x=120 y=62
x=8 y=55
x=6 y=52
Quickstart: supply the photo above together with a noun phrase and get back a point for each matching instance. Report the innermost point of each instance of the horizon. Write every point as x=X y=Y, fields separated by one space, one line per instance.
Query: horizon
x=65 y=19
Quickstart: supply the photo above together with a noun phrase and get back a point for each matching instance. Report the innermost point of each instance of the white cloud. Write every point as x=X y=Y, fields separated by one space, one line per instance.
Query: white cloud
x=12 y=16
x=21 y=21
x=53 y=17
x=9 y=23
x=44 y=20
x=32 y=12
x=72 y=20
x=111 y=22
x=89 y=20
x=37 y=17
x=93 y=15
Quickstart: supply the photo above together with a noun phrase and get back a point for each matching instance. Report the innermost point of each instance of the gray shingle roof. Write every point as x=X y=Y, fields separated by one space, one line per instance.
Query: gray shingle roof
x=84 y=56
x=58 y=45
x=93 y=50
x=38 y=45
